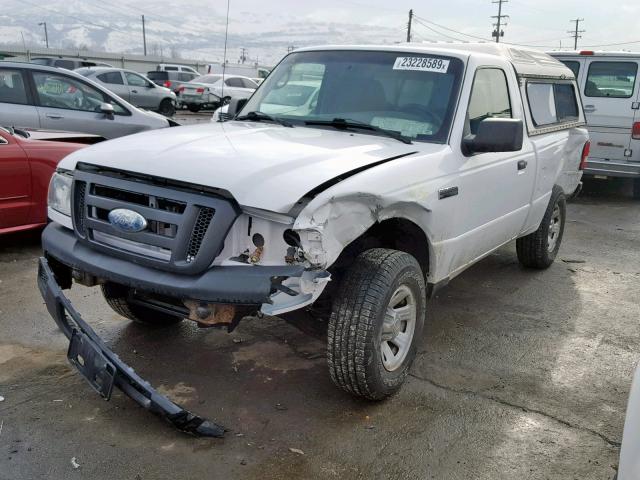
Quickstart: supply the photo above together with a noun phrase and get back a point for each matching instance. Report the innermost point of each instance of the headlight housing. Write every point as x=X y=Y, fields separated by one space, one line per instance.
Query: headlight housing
x=59 y=197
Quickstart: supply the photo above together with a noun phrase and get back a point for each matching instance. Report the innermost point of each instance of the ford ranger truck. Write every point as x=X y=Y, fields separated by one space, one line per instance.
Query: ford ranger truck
x=351 y=186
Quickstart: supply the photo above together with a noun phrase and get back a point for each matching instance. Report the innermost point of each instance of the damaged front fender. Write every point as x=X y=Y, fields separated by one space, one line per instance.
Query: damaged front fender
x=327 y=227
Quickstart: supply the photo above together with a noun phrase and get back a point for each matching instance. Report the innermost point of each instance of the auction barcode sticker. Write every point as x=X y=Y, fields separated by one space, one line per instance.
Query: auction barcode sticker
x=422 y=64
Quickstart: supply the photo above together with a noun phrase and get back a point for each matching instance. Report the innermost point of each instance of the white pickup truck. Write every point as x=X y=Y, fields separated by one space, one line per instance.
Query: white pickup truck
x=385 y=172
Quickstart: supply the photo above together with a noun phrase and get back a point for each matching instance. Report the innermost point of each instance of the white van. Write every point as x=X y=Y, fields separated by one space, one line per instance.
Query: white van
x=168 y=67
x=610 y=91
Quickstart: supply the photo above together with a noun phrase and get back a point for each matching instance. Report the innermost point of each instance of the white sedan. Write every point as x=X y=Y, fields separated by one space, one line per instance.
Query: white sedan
x=210 y=91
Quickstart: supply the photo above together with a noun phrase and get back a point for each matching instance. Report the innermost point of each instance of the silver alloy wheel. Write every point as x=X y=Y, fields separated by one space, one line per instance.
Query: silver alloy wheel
x=398 y=328
x=554 y=228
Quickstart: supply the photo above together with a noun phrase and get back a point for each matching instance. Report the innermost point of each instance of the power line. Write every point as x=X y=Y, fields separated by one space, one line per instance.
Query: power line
x=448 y=29
x=498 y=32
x=419 y=22
x=576 y=33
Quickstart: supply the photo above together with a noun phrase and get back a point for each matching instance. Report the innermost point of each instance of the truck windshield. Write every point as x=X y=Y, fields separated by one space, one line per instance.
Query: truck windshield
x=413 y=94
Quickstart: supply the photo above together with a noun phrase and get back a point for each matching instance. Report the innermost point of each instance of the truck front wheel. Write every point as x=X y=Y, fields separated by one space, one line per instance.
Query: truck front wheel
x=539 y=249
x=376 y=322
x=118 y=298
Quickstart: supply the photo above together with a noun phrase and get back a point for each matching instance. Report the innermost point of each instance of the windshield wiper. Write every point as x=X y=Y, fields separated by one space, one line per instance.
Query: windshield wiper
x=259 y=116
x=344 y=124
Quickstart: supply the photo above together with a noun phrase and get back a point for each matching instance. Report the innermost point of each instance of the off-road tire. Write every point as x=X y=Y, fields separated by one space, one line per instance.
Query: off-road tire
x=192 y=107
x=167 y=108
x=533 y=249
x=355 y=325
x=636 y=188
x=117 y=296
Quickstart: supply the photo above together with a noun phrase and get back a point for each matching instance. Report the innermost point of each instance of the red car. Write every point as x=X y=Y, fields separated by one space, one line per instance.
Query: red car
x=27 y=161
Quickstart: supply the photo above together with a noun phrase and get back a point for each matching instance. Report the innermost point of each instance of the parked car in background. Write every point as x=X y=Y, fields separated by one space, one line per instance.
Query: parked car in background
x=610 y=88
x=210 y=91
x=170 y=79
x=27 y=161
x=416 y=162
x=169 y=67
x=295 y=98
x=35 y=96
x=66 y=62
x=134 y=88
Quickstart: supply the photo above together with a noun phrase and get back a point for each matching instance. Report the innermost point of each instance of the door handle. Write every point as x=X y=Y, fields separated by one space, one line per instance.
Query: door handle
x=55 y=116
x=589 y=108
x=522 y=164
x=134 y=91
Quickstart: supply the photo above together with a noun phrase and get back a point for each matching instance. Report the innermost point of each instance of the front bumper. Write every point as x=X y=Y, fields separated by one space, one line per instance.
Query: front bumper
x=103 y=369
x=243 y=285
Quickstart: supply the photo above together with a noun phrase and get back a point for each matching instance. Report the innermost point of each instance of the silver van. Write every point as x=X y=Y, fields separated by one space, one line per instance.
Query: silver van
x=610 y=91
x=35 y=96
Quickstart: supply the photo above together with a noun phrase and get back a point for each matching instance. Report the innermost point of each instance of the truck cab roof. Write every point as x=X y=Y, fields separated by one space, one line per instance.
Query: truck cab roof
x=526 y=62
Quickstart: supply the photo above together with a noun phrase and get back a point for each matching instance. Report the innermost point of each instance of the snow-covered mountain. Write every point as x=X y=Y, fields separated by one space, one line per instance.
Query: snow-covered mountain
x=190 y=28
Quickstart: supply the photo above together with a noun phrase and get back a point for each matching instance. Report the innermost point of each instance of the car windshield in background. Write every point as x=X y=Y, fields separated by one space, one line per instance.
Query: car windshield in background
x=409 y=93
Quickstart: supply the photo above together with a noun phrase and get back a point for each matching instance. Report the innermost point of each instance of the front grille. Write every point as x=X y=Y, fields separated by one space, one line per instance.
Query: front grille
x=185 y=230
x=205 y=215
x=79 y=213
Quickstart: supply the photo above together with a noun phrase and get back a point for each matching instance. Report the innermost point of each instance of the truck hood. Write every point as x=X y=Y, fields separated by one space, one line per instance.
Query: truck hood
x=262 y=165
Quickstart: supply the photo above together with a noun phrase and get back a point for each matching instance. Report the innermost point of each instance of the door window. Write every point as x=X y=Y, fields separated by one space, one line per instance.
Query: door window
x=249 y=83
x=68 y=64
x=60 y=91
x=573 y=66
x=185 y=77
x=489 y=98
x=234 y=82
x=12 y=88
x=135 y=80
x=170 y=69
x=611 y=79
x=113 y=78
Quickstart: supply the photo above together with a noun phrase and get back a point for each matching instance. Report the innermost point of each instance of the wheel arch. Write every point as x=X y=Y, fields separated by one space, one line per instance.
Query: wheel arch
x=345 y=227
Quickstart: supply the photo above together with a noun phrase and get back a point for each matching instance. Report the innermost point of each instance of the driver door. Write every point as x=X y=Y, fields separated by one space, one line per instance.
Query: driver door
x=66 y=103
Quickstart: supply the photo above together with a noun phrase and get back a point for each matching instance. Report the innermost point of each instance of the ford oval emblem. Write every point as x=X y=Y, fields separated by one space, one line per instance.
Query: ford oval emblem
x=127 y=221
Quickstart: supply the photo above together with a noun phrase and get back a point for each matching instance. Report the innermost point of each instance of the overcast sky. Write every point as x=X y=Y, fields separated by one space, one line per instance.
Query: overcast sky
x=267 y=27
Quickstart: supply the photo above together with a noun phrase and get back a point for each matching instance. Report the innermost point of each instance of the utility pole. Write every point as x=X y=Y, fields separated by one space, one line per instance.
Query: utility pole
x=144 y=37
x=576 y=33
x=498 y=32
x=409 y=26
x=46 y=35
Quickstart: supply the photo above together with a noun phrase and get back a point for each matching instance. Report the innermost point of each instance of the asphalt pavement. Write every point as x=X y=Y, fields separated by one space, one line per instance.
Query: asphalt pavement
x=520 y=374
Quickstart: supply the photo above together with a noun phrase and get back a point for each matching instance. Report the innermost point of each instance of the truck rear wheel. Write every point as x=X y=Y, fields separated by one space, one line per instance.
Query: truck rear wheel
x=193 y=107
x=375 y=323
x=118 y=298
x=539 y=249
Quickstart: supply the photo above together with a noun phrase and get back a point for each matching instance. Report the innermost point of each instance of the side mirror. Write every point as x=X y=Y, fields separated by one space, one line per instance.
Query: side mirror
x=495 y=135
x=235 y=105
x=151 y=85
x=107 y=109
